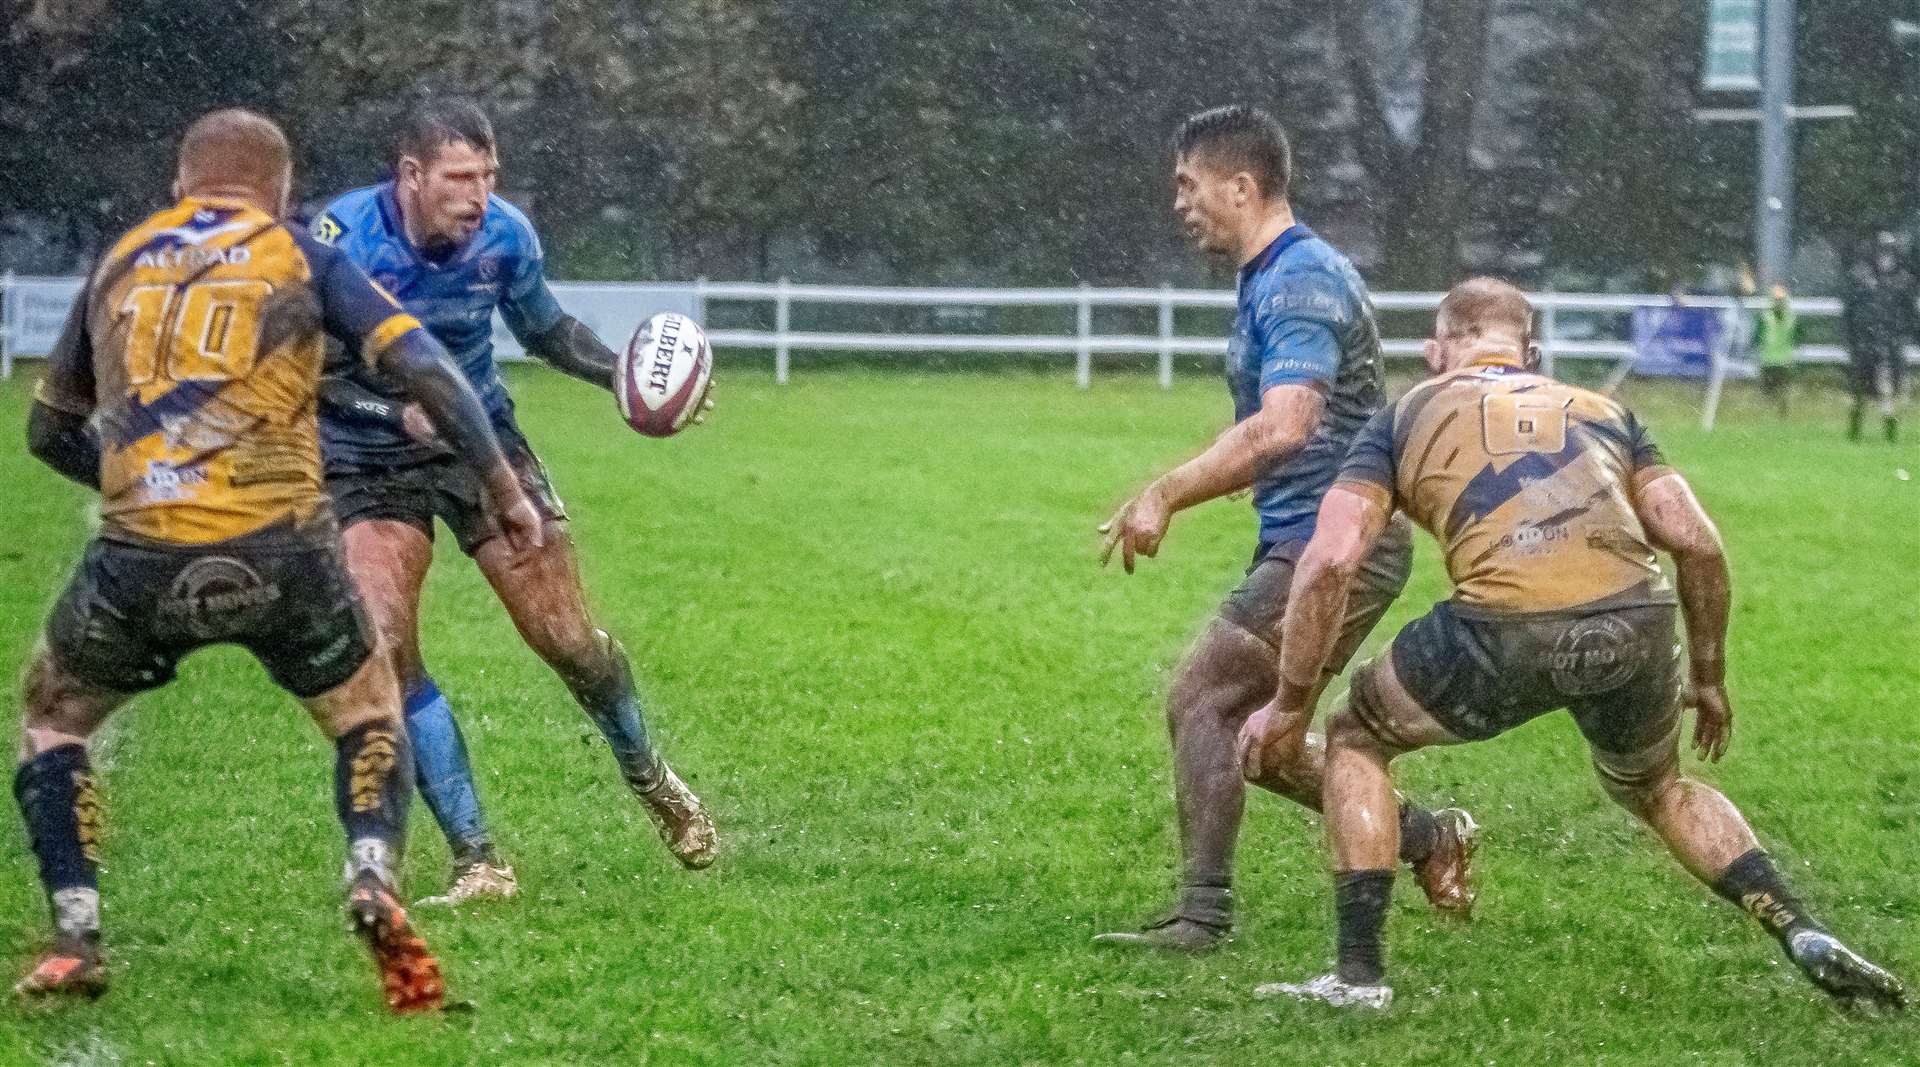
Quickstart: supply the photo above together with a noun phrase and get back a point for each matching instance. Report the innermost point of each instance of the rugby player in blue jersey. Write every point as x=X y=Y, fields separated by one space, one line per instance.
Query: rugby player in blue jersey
x=437 y=237
x=1304 y=369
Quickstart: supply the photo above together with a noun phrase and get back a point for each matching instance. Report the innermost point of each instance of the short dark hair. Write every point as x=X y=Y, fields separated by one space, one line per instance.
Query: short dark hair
x=234 y=146
x=1240 y=137
x=1478 y=304
x=432 y=124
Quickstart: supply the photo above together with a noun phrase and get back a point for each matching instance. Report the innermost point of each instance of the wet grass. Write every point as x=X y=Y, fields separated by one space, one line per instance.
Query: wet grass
x=872 y=632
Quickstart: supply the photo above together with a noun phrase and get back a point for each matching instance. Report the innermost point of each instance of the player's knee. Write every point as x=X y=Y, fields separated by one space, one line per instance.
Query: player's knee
x=1637 y=789
x=1346 y=728
x=1228 y=674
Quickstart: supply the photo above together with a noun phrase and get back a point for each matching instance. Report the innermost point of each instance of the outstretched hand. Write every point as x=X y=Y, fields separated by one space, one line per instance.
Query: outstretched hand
x=1138 y=528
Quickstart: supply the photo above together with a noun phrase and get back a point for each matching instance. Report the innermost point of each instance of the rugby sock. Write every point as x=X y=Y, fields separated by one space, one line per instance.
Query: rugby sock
x=614 y=707
x=61 y=807
x=1754 y=886
x=1360 y=901
x=1893 y=430
x=1419 y=833
x=371 y=792
x=445 y=776
x=1207 y=901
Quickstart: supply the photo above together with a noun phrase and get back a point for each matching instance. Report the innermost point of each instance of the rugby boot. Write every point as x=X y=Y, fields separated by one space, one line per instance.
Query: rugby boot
x=1446 y=874
x=409 y=974
x=1333 y=990
x=1174 y=933
x=74 y=967
x=474 y=880
x=682 y=820
x=1844 y=974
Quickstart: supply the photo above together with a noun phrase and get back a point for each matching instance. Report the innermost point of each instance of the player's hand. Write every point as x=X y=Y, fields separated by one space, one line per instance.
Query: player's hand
x=414 y=420
x=706 y=403
x=518 y=519
x=1270 y=739
x=1712 y=720
x=1138 y=527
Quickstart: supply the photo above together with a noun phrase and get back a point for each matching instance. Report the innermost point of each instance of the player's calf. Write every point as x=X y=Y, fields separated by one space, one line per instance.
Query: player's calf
x=60 y=804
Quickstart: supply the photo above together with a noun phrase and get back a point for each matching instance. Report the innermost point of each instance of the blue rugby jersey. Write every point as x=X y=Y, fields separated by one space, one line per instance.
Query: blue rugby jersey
x=1304 y=319
x=501 y=266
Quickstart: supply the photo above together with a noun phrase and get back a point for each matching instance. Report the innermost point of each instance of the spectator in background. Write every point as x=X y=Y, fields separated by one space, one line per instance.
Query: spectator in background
x=1879 y=318
x=1779 y=328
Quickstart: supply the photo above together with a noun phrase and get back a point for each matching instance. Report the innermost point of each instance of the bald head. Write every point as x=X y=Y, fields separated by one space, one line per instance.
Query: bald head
x=235 y=152
x=1478 y=318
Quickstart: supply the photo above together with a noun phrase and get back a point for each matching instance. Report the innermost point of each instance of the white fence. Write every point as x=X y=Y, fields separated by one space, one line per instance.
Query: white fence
x=1573 y=326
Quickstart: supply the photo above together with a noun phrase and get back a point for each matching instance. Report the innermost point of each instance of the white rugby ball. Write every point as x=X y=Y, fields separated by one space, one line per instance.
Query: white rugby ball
x=662 y=377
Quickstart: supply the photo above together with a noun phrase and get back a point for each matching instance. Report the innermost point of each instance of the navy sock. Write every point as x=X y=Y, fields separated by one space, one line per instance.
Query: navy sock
x=444 y=774
x=1360 y=900
x=371 y=793
x=1754 y=886
x=614 y=706
x=61 y=806
x=1418 y=833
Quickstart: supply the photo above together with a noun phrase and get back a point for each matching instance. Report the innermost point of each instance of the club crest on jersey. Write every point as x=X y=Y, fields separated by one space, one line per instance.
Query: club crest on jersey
x=327 y=229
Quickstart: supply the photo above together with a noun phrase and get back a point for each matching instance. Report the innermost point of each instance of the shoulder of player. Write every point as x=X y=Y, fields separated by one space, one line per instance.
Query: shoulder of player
x=510 y=225
x=1308 y=288
x=353 y=216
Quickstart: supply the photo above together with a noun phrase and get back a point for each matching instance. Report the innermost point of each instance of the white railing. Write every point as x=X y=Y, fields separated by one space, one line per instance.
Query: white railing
x=34 y=307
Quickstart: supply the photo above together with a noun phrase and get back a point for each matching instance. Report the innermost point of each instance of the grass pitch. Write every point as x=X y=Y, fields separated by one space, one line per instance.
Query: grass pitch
x=867 y=614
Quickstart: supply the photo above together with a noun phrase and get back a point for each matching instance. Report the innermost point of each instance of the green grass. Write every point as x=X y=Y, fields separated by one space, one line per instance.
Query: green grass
x=868 y=617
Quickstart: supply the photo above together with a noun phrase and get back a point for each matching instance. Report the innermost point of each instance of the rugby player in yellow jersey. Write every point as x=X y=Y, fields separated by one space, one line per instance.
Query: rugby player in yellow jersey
x=1548 y=502
x=183 y=390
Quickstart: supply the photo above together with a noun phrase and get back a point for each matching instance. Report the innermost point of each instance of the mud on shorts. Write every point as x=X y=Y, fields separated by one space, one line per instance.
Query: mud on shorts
x=1617 y=671
x=416 y=492
x=1258 y=604
x=132 y=612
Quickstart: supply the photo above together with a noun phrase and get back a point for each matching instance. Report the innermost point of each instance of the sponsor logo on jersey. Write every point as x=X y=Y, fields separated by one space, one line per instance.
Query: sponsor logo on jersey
x=192 y=258
x=164 y=481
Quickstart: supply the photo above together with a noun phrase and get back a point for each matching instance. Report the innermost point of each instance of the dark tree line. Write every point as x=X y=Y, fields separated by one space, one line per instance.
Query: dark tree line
x=994 y=141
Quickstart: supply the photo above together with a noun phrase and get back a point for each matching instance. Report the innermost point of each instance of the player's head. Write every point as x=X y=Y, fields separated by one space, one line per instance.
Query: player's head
x=239 y=153
x=1231 y=166
x=1479 y=318
x=445 y=163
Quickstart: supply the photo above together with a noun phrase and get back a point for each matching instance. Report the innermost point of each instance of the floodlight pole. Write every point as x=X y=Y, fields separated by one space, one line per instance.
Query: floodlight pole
x=1773 y=216
x=1907 y=33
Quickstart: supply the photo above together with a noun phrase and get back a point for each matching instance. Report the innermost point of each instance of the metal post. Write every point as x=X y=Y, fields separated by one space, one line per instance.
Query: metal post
x=1549 y=320
x=782 y=305
x=1083 y=361
x=6 y=325
x=1773 y=214
x=1166 y=336
x=700 y=300
x=1907 y=33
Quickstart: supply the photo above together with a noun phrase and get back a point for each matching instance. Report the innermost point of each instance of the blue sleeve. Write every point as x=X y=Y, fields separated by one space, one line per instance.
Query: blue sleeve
x=1369 y=464
x=1295 y=329
x=528 y=305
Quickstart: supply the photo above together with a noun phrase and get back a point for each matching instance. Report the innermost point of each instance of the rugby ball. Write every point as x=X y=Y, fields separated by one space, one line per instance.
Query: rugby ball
x=662 y=377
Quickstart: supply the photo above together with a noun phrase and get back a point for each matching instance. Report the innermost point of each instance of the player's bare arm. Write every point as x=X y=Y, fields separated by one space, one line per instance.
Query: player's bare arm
x=1679 y=526
x=424 y=370
x=1344 y=534
x=1287 y=417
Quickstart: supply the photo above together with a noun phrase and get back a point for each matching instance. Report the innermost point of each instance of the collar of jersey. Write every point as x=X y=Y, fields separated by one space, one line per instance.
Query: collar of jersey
x=1289 y=237
x=389 y=203
x=1509 y=362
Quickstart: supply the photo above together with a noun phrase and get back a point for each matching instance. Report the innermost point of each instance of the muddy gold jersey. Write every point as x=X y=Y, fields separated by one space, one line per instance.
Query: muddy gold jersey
x=196 y=347
x=1526 y=482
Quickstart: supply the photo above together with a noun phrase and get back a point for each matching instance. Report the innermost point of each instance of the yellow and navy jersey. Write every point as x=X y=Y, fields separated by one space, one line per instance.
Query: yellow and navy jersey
x=1526 y=482
x=196 y=347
